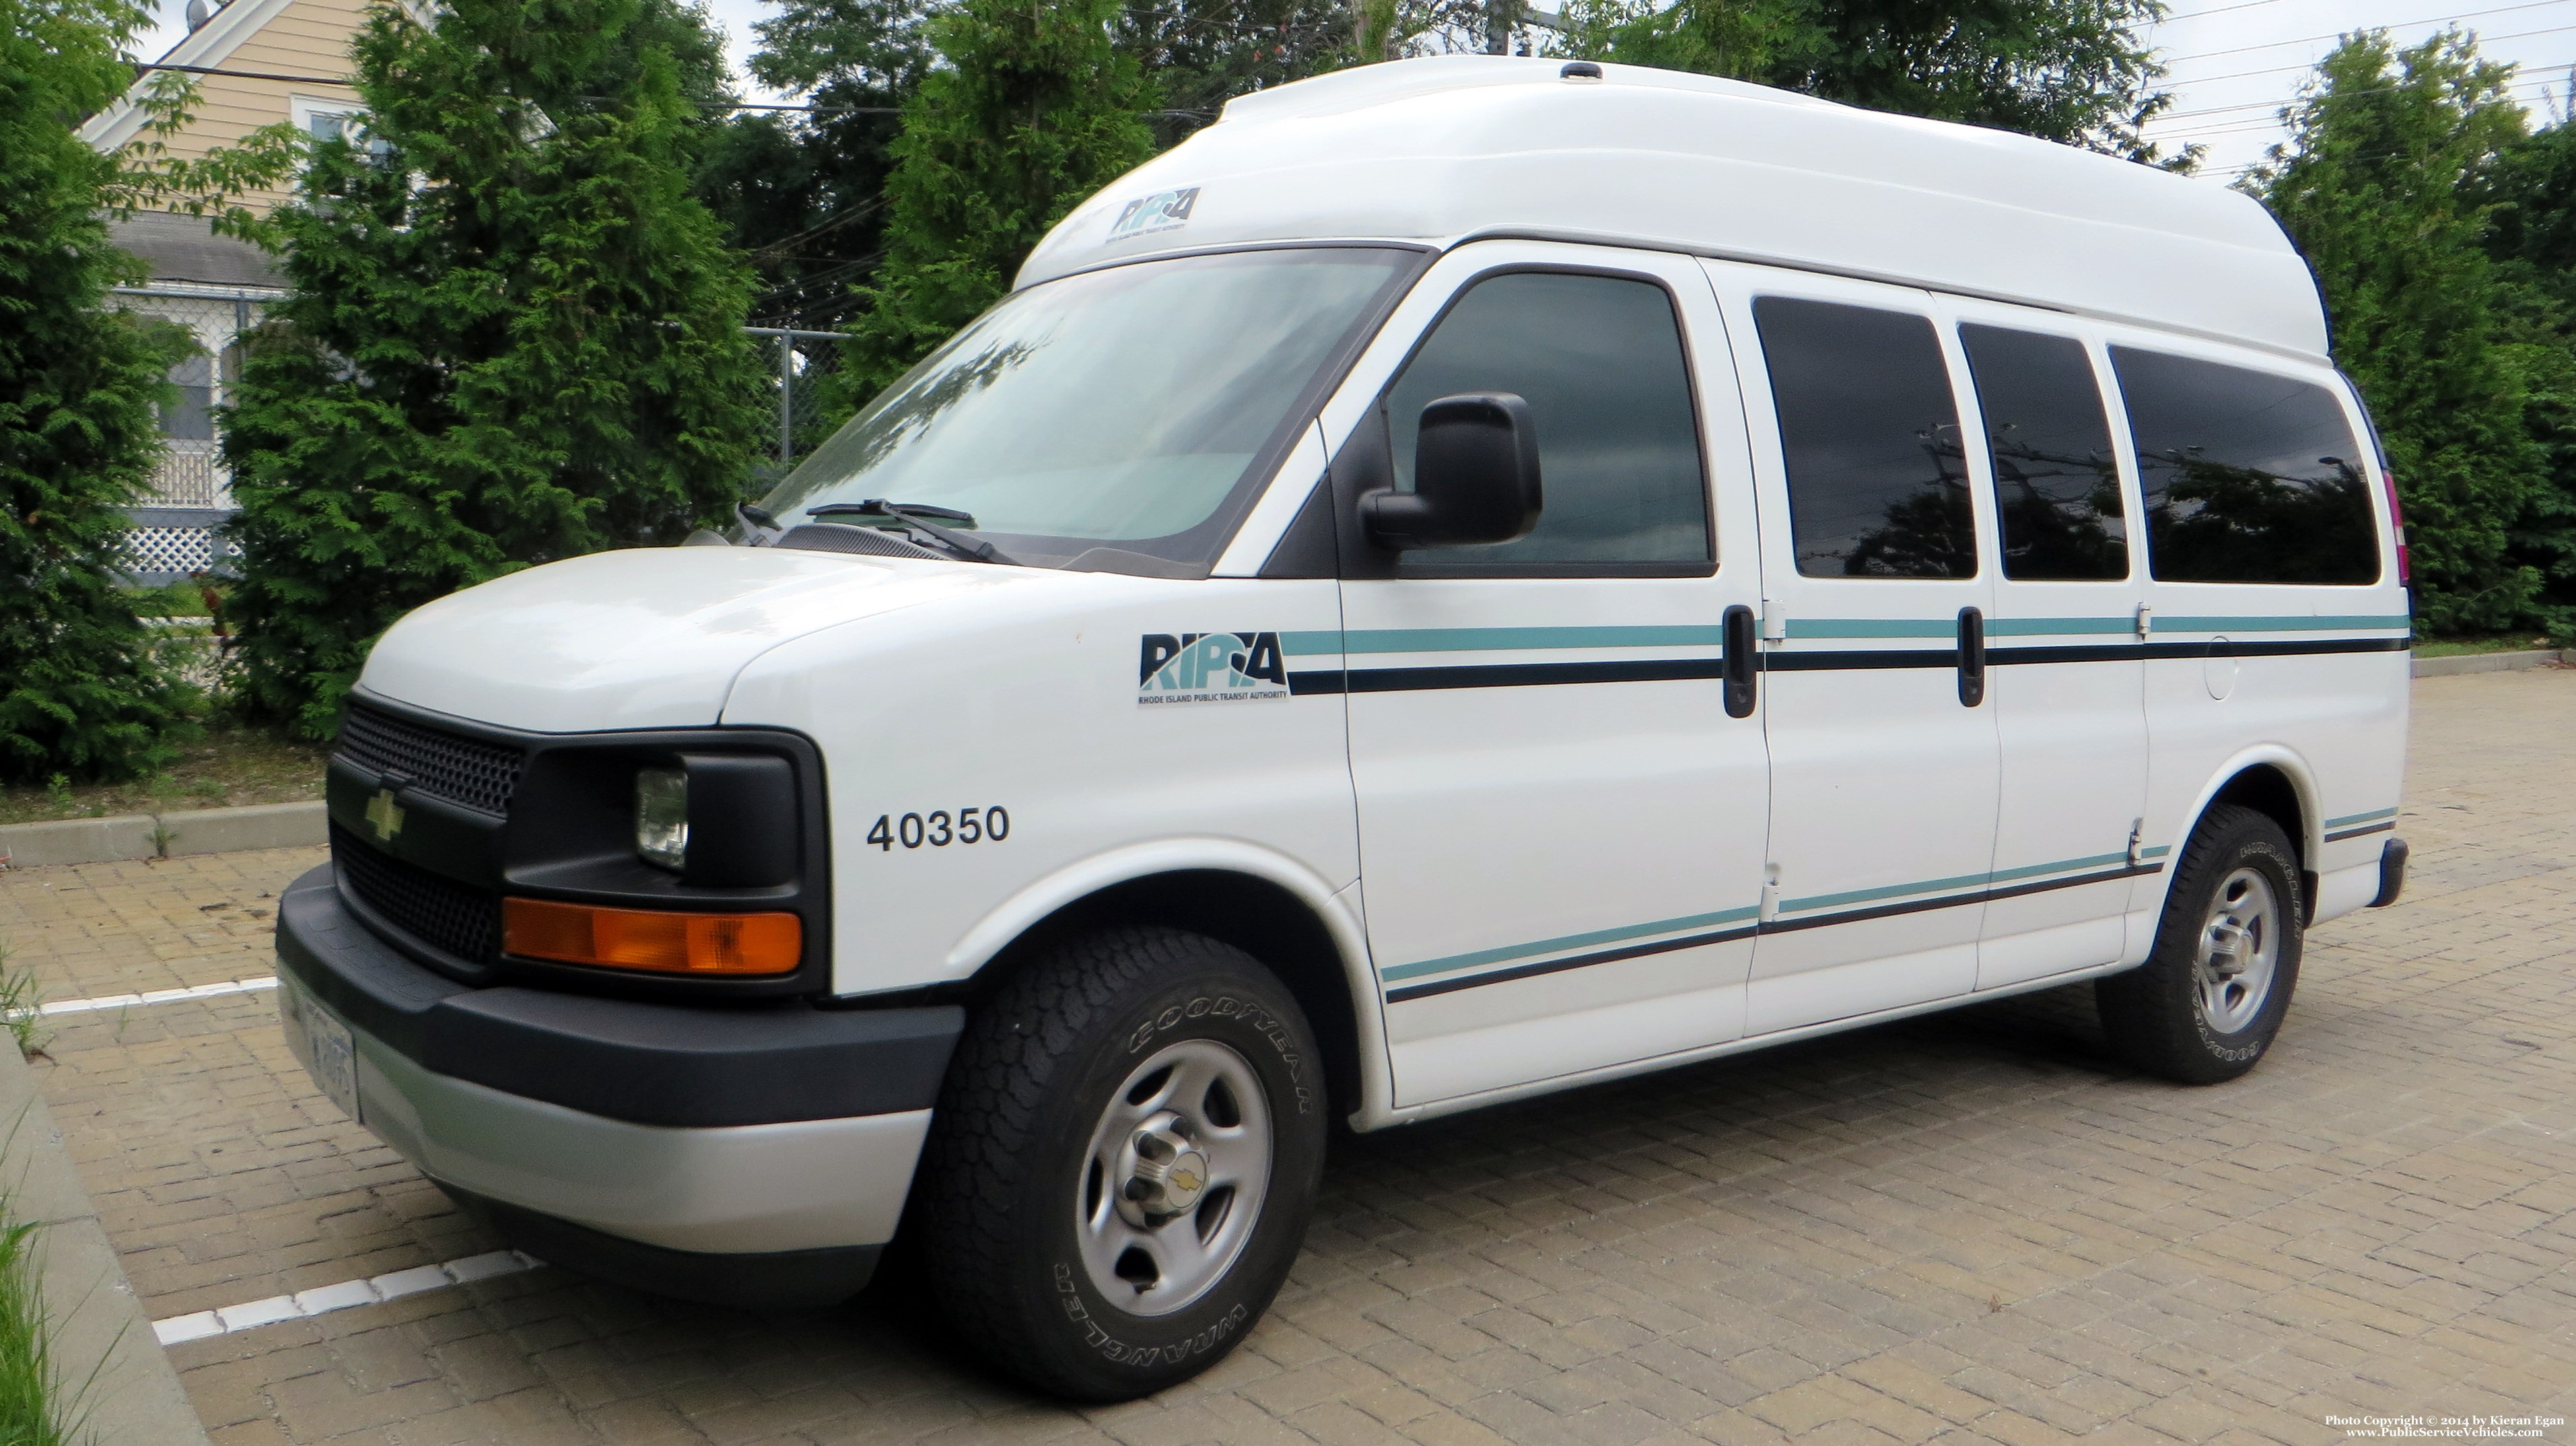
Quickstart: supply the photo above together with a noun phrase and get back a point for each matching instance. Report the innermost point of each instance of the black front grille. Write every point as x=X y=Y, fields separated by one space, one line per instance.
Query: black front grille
x=439 y=912
x=444 y=765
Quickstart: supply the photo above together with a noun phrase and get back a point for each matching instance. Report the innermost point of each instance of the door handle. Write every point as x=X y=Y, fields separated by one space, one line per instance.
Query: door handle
x=1972 y=657
x=1743 y=661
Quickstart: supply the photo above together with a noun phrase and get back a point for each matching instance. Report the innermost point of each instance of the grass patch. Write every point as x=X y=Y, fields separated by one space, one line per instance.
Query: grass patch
x=228 y=766
x=29 y=1377
x=22 y=1014
x=182 y=599
x=2460 y=647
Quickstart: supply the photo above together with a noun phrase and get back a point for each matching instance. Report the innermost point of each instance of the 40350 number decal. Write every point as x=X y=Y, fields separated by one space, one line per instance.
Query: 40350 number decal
x=938 y=829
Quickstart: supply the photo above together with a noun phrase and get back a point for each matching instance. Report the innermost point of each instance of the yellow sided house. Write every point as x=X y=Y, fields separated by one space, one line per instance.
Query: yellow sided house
x=254 y=63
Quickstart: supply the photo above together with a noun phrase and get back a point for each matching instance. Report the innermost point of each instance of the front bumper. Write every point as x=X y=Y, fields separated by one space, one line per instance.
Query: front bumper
x=748 y=1154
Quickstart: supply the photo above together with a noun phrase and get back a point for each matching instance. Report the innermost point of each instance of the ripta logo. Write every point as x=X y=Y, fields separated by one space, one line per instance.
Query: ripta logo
x=1162 y=211
x=1210 y=668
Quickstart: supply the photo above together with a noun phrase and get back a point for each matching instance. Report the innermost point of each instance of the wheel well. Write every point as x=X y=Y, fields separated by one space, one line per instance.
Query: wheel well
x=2268 y=791
x=1254 y=915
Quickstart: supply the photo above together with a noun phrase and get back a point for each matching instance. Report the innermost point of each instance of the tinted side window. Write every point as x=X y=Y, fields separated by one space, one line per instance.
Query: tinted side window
x=1871 y=435
x=2247 y=477
x=2057 y=487
x=1599 y=360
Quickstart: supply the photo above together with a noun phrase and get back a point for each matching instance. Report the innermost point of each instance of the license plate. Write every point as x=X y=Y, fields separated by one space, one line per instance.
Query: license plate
x=322 y=1043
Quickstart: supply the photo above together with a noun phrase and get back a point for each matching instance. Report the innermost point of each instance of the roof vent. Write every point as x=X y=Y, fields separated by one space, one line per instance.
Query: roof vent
x=1580 y=70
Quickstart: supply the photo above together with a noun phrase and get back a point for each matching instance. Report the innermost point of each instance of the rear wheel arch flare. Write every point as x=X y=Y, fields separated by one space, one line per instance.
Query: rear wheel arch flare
x=2282 y=795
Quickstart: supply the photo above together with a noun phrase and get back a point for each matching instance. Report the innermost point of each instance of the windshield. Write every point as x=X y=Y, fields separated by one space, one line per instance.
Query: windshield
x=1119 y=409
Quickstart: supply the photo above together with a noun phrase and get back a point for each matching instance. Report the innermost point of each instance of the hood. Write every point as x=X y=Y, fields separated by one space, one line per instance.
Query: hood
x=645 y=638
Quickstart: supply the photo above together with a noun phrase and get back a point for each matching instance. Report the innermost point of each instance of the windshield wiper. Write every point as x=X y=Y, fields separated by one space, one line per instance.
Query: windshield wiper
x=917 y=515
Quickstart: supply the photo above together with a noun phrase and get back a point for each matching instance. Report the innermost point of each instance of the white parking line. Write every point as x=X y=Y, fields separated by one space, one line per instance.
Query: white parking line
x=157 y=996
x=347 y=1293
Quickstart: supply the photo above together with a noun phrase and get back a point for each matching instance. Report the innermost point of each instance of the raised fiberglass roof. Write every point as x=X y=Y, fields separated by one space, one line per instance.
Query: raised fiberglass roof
x=1452 y=147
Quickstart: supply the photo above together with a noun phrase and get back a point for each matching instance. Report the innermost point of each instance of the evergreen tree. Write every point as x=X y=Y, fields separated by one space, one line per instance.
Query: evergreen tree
x=2531 y=190
x=80 y=692
x=804 y=194
x=1034 y=110
x=2066 y=70
x=513 y=337
x=2376 y=183
x=1203 y=53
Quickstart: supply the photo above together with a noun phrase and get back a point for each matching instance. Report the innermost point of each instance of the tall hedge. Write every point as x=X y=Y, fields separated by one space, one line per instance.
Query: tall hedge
x=514 y=335
x=80 y=693
x=2374 y=183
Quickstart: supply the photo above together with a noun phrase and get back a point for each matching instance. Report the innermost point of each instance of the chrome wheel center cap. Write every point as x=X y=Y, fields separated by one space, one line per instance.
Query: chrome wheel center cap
x=2227 y=948
x=1168 y=1173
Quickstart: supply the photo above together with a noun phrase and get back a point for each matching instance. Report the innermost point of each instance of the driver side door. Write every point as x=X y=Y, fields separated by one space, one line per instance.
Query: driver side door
x=1561 y=824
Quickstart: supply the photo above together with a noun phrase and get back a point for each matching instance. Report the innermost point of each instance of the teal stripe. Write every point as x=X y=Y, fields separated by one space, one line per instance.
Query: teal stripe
x=2051 y=627
x=1963 y=881
x=1490 y=640
x=1864 y=896
x=2069 y=866
x=2336 y=623
x=1873 y=627
x=2361 y=817
x=1571 y=941
x=2155 y=851
x=1509 y=952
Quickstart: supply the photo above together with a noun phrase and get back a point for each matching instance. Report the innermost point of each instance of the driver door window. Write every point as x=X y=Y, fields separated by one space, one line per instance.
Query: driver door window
x=1599 y=360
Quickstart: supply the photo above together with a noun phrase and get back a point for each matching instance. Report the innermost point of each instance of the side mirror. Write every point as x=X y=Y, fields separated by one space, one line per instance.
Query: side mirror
x=1475 y=478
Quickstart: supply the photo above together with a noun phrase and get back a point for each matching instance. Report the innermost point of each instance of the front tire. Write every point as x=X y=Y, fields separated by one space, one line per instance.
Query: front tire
x=2209 y=1000
x=1122 y=1161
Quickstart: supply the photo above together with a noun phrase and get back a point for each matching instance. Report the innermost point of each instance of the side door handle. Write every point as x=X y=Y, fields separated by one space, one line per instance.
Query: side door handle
x=1972 y=657
x=1743 y=660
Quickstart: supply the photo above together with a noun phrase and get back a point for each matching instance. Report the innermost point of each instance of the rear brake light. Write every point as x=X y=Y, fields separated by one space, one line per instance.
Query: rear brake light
x=2397 y=523
x=652 y=939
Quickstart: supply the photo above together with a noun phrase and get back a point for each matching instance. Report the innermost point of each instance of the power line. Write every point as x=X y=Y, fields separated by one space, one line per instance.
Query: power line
x=2291 y=99
x=2310 y=65
x=2311 y=39
x=2198 y=14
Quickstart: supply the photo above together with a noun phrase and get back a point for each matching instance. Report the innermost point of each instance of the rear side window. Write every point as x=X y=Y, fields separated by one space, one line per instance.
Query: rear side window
x=2057 y=486
x=1599 y=360
x=2247 y=476
x=1870 y=433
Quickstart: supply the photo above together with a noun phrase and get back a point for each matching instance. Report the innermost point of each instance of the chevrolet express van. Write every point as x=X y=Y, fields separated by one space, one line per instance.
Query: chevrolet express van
x=1468 y=577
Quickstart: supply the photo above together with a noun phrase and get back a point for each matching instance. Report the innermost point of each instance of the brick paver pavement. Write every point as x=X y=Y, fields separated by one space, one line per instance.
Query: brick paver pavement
x=1966 y=1227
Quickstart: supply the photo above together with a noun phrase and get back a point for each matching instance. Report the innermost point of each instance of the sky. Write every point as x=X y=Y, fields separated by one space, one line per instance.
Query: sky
x=2232 y=63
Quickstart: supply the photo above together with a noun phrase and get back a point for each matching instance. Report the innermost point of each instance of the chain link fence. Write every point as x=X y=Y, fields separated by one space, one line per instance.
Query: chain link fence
x=799 y=363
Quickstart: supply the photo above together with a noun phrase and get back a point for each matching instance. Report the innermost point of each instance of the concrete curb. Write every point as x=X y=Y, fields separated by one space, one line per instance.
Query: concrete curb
x=128 y=1393
x=2492 y=662
x=166 y=835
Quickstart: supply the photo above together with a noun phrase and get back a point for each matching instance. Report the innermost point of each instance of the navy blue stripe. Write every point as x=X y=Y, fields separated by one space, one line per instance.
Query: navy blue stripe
x=1551 y=966
x=1775 y=926
x=2385 y=827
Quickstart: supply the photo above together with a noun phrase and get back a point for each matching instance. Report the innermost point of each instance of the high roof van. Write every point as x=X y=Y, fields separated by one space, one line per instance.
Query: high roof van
x=1466 y=578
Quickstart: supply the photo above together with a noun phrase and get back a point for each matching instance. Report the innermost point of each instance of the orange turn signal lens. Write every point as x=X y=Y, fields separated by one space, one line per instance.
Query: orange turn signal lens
x=666 y=943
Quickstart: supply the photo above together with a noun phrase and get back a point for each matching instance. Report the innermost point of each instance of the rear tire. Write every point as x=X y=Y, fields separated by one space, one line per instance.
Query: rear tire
x=1119 y=1172
x=2209 y=1000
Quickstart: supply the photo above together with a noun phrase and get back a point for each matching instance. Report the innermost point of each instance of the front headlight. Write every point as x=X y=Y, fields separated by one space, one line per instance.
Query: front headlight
x=662 y=816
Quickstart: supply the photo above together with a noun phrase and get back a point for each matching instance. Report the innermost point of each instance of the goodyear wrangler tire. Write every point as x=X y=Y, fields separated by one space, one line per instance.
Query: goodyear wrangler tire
x=1121 y=1164
x=2210 y=998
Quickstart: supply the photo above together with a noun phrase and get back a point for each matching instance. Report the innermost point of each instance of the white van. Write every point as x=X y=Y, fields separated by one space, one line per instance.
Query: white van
x=1468 y=577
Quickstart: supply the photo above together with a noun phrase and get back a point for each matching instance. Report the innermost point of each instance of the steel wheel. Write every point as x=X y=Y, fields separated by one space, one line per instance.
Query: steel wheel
x=1173 y=1181
x=2239 y=944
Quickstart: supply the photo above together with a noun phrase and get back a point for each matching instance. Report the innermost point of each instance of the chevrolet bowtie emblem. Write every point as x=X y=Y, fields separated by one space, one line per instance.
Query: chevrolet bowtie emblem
x=385 y=814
